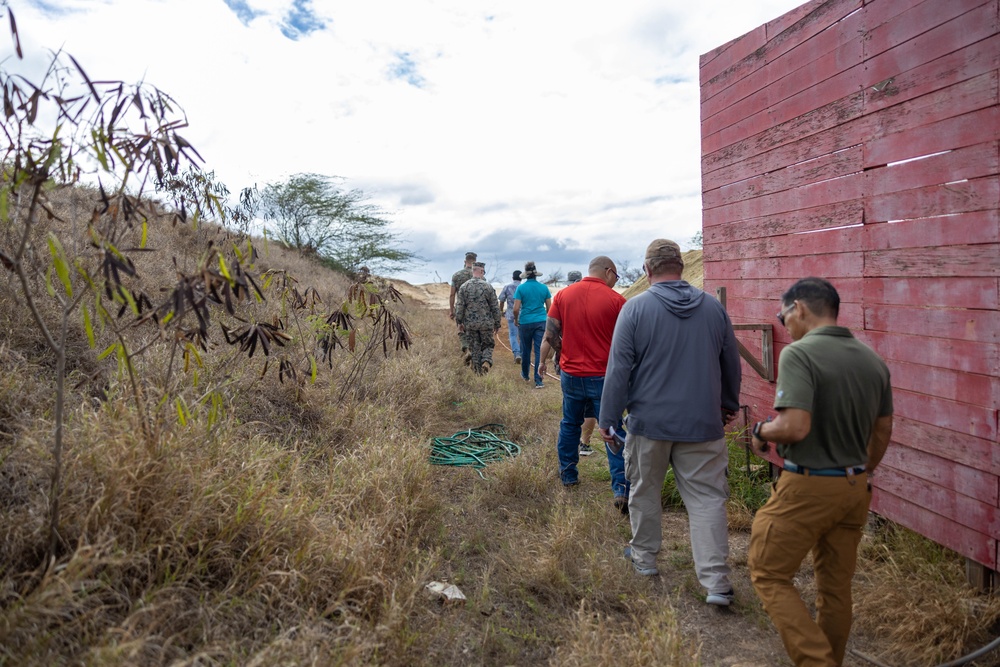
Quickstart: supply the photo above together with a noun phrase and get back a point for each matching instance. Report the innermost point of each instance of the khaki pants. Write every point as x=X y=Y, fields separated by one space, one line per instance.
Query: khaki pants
x=825 y=515
x=700 y=470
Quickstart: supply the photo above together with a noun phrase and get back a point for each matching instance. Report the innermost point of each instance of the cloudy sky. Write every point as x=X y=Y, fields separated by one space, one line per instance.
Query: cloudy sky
x=551 y=130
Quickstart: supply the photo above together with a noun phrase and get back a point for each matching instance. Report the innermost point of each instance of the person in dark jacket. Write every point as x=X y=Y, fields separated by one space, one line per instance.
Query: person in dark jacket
x=675 y=367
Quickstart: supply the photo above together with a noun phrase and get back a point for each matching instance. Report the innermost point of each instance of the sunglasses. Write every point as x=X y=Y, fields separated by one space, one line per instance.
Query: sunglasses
x=785 y=311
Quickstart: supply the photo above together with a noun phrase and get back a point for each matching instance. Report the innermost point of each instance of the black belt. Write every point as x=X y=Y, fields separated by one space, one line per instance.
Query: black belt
x=823 y=472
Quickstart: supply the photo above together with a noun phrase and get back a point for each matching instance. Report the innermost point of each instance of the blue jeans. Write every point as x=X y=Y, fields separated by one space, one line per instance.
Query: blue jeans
x=531 y=337
x=578 y=394
x=515 y=337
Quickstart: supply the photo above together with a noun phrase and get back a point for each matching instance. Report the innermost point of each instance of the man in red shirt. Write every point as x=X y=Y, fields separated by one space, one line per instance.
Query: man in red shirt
x=580 y=324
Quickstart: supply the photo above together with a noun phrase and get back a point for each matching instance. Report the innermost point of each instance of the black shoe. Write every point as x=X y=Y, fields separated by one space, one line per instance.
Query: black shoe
x=621 y=504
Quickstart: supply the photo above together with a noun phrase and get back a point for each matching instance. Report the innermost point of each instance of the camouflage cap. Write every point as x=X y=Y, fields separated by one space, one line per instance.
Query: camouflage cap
x=664 y=249
x=574 y=277
x=470 y=255
x=663 y=254
x=480 y=265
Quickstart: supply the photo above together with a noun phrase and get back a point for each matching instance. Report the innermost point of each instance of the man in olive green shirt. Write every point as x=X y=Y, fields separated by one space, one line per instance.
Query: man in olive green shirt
x=834 y=422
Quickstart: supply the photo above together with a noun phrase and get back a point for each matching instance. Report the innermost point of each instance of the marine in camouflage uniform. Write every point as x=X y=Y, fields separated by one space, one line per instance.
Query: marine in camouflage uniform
x=458 y=279
x=477 y=313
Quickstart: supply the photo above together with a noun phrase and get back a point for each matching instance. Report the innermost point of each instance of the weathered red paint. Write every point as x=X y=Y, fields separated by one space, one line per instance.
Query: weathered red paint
x=810 y=129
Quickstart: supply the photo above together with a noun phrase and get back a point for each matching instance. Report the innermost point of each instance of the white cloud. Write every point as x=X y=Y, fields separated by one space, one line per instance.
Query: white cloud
x=556 y=119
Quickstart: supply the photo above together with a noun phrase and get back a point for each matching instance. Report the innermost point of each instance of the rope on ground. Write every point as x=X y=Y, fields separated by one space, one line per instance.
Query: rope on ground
x=476 y=447
x=496 y=335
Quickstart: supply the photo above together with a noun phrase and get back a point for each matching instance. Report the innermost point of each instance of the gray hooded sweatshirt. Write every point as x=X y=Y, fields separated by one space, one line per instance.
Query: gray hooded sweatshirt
x=674 y=365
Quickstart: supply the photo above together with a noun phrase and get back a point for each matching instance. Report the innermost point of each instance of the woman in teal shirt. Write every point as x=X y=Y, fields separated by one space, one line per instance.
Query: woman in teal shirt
x=531 y=305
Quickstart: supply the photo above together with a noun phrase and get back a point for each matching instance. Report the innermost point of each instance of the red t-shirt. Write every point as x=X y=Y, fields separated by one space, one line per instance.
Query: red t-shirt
x=587 y=311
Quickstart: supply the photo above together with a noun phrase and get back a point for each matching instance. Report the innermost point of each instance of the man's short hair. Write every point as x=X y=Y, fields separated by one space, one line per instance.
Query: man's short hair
x=664 y=256
x=517 y=275
x=819 y=295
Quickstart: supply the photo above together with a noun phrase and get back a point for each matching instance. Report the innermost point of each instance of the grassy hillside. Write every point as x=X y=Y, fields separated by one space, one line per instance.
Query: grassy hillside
x=211 y=514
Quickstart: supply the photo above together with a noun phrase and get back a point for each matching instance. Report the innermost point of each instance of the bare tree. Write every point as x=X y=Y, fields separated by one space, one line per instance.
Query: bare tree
x=627 y=274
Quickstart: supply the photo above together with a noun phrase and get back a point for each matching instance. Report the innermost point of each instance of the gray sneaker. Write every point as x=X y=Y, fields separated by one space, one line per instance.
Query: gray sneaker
x=721 y=599
x=585 y=449
x=639 y=569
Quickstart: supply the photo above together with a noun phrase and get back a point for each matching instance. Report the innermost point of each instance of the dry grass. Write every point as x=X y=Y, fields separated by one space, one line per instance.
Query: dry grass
x=280 y=525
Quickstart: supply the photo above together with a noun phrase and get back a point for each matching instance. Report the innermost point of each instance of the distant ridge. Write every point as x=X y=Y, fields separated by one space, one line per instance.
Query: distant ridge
x=693 y=273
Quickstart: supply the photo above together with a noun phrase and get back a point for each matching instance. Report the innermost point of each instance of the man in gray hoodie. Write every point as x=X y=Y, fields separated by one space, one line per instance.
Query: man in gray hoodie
x=674 y=365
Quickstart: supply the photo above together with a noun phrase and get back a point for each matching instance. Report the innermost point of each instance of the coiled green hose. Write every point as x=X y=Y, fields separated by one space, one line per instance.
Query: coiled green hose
x=476 y=447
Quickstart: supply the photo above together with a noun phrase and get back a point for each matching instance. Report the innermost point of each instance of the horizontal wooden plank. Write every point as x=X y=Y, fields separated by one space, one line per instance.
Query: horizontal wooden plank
x=832 y=191
x=948 y=134
x=970 y=388
x=851 y=290
x=811 y=23
x=840 y=214
x=974 y=325
x=766 y=137
x=964 y=163
x=964 y=260
x=955 y=111
x=941 y=104
x=814 y=112
x=978 y=453
x=946 y=353
x=979 y=293
x=766 y=310
x=725 y=56
x=979 y=194
x=974 y=228
x=944 y=472
x=841 y=265
x=956 y=506
x=812 y=62
x=920 y=18
x=794 y=245
x=954 y=52
x=823 y=168
x=822 y=12
x=960 y=539
x=973 y=420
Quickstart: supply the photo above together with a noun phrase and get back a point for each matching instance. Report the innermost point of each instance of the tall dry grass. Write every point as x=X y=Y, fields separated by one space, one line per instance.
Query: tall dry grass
x=297 y=524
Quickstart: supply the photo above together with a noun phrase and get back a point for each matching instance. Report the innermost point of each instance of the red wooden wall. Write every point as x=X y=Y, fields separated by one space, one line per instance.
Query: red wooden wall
x=857 y=140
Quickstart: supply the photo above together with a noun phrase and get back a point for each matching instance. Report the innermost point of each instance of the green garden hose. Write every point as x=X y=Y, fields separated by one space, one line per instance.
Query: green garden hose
x=476 y=447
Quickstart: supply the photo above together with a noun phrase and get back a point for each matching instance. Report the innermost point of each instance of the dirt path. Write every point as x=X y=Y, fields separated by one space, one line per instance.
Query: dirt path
x=739 y=636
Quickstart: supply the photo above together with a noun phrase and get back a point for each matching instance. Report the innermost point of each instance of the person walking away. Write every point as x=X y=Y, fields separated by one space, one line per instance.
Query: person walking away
x=458 y=279
x=580 y=326
x=589 y=417
x=675 y=367
x=531 y=302
x=834 y=422
x=507 y=310
x=478 y=315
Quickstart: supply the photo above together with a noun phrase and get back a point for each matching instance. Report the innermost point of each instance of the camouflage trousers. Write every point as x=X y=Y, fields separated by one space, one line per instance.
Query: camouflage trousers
x=481 y=343
x=463 y=339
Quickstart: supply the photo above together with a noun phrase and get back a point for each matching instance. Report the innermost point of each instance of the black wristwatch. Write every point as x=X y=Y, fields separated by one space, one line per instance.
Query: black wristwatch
x=756 y=434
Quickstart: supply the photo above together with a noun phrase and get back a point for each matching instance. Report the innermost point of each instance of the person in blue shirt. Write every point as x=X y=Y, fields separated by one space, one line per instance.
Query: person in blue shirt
x=531 y=305
x=507 y=310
